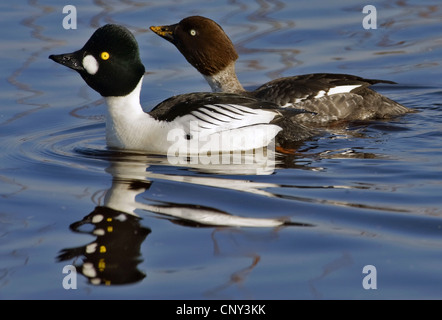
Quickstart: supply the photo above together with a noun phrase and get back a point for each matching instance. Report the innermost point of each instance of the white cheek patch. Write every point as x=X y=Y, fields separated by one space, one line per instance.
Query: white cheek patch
x=90 y=64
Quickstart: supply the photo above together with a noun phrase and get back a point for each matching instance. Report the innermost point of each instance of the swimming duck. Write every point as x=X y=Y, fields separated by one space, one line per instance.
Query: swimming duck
x=328 y=96
x=110 y=64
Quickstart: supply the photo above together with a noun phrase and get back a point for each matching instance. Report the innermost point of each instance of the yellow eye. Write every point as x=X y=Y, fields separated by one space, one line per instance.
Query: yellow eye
x=192 y=32
x=105 y=55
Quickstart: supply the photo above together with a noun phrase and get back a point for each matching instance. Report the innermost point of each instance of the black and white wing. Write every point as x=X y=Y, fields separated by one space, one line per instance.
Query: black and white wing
x=208 y=113
x=331 y=96
x=180 y=105
x=290 y=91
x=239 y=119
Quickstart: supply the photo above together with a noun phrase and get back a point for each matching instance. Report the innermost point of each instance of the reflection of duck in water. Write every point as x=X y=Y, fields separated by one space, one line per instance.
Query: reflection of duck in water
x=131 y=179
x=115 y=254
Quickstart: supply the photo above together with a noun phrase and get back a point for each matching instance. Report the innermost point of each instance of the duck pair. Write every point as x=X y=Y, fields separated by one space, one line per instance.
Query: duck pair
x=227 y=119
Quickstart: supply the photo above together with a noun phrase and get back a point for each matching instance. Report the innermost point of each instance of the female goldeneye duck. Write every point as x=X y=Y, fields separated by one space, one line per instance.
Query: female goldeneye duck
x=191 y=123
x=331 y=97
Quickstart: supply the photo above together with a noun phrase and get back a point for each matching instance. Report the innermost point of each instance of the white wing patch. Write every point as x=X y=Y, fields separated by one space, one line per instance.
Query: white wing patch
x=343 y=89
x=336 y=90
x=323 y=93
x=320 y=94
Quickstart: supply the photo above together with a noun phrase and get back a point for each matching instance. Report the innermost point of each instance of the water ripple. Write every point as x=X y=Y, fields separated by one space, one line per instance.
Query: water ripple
x=62 y=148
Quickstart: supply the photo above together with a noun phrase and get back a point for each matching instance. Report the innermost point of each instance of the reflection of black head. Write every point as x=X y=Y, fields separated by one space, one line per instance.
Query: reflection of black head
x=115 y=254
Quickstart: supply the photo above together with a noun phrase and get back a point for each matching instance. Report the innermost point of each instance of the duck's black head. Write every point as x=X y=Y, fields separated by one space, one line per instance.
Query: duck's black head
x=109 y=62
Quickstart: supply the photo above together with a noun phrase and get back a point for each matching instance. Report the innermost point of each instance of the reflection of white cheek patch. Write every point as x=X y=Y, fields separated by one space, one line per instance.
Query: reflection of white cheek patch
x=90 y=64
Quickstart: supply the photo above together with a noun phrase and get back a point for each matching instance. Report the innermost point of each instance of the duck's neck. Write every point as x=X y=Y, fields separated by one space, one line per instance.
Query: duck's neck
x=225 y=80
x=126 y=122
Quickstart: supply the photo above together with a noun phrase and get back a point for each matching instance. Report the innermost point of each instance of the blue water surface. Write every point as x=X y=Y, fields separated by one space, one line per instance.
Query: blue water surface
x=135 y=226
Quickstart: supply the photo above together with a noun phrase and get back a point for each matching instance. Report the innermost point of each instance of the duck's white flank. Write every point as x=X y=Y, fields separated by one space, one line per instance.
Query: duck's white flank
x=201 y=131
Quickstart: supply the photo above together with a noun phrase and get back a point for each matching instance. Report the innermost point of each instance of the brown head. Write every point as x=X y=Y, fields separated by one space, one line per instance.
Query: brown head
x=202 y=42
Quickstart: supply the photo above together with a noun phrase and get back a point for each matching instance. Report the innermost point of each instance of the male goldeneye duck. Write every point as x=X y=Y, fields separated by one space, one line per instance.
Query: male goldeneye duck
x=331 y=97
x=192 y=123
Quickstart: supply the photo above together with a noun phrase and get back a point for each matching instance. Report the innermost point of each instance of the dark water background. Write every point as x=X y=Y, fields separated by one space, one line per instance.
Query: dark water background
x=367 y=193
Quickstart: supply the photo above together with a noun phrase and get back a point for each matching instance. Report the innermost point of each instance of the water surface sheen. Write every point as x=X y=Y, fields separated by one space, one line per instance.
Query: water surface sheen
x=137 y=226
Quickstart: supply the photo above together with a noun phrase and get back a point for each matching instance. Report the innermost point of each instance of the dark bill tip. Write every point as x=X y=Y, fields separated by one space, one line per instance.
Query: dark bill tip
x=166 y=32
x=70 y=60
